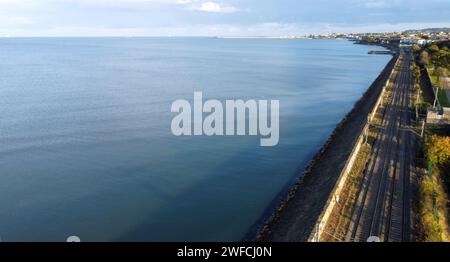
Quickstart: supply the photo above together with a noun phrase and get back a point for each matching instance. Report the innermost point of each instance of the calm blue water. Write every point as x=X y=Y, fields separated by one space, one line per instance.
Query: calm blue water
x=86 y=147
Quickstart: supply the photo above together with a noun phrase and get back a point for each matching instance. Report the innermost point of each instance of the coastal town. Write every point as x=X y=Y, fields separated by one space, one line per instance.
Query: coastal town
x=409 y=37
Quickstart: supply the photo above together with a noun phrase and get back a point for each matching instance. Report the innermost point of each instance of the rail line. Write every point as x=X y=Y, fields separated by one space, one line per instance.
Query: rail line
x=382 y=204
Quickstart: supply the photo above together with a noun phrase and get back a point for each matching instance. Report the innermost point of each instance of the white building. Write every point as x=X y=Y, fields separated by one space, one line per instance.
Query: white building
x=421 y=42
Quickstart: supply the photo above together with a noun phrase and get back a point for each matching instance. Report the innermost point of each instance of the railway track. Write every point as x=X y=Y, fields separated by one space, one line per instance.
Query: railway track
x=382 y=207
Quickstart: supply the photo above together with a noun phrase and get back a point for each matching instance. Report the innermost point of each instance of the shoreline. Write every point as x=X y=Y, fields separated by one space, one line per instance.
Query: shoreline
x=294 y=218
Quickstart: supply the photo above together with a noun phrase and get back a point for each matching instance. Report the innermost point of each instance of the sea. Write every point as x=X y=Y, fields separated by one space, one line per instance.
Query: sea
x=86 y=147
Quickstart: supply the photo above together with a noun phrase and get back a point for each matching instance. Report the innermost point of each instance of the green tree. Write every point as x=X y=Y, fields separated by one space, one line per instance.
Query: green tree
x=441 y=57
x=425 y=58
x=439 y=150
x=444 y=57
x=440 y=72
x=416 y=72
x=434 y=48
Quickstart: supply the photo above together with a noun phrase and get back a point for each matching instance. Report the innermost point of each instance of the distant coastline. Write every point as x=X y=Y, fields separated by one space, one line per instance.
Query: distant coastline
x=275 y=37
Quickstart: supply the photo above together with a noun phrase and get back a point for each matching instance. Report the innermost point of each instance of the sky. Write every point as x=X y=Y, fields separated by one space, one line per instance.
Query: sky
x=216 y=17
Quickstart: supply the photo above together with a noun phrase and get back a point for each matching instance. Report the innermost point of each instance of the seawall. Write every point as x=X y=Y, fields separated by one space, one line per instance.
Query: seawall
x=296 y=216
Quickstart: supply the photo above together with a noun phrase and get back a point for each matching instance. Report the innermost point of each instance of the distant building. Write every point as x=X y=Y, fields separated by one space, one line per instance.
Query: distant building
x=421 y=42
x=434 y=38
x=408 y=41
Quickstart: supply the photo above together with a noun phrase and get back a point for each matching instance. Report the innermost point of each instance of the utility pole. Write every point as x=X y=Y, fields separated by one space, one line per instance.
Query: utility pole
x=423 y=129
x=366 y=128
x=417 y=104
x=436 y=97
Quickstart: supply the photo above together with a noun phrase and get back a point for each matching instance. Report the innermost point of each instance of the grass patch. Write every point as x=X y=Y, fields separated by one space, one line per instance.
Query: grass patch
x=443 y=99
x=442 y=96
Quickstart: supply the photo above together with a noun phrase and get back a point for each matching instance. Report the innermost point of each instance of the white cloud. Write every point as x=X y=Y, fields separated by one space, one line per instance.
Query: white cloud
x=379 y=4
x=212 y=7
x=128 y=3
x=183 y=2
x=113 y=2
x=198 y=5
x=15 y=21
x=23 y=4
x=376 y=4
